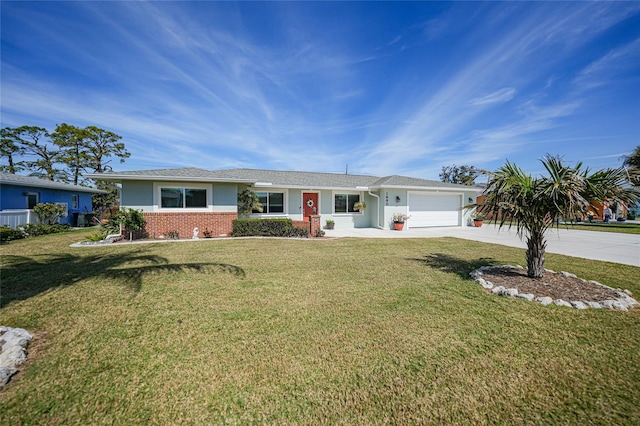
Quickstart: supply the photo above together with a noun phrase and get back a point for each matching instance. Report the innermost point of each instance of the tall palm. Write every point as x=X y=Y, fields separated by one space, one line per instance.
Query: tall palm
x=533 y=205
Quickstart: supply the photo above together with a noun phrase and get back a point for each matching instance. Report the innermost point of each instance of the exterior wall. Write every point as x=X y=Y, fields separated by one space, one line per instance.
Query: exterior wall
x=365 y=219
x=12 y=197
x=137 y=195
x=295 y=204
x=393 y=205
x=159 y=223
x=313 y=225
x=225 y=197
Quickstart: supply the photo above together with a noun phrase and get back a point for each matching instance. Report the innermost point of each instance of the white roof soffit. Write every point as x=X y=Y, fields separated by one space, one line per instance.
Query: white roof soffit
x=119 y=177
x=427 y=188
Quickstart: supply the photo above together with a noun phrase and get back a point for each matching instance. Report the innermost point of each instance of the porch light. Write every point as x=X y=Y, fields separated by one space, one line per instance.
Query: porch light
x=397 y=198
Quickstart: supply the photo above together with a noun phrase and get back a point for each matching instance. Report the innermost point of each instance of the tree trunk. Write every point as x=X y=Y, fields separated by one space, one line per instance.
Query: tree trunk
x=536 y=246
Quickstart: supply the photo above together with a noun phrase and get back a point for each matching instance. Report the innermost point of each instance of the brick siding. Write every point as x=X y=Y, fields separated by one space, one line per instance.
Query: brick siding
x=159 y=223
x=312 y=225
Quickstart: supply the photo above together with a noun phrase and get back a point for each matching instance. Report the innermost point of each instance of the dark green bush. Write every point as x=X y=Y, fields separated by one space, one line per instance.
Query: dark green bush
x=36 y=229
x=31 y=230
x=267 y=228
x=8 y=234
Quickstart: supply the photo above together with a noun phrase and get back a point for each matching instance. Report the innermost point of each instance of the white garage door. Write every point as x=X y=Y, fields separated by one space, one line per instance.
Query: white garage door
x=433 y=209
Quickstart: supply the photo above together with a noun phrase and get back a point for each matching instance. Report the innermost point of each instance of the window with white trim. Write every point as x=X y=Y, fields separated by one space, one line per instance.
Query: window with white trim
x=343 y=203
x=182 y=198
x=33 y=198
x=272 y=202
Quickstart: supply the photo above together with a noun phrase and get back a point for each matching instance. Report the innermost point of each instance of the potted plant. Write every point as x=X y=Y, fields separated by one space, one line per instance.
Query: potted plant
x=398 y=221
x=206 y=233
x=478 y=219
x=330 y=224
x=360 y=206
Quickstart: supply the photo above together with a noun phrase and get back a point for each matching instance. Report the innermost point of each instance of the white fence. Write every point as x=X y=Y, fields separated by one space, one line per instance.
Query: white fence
x=15 y=218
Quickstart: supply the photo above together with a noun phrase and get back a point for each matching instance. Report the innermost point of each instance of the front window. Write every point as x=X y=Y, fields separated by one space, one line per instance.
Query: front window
x=272 y=202
x=178 y=198
x=74 y=201
x=343 y=203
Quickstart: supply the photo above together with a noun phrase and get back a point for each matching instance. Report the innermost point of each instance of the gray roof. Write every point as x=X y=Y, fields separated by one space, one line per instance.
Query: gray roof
x=282 y=179
x=19 y=180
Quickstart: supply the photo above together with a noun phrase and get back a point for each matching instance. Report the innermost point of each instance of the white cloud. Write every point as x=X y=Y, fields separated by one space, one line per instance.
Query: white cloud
x=610 y=66
x=497 y=97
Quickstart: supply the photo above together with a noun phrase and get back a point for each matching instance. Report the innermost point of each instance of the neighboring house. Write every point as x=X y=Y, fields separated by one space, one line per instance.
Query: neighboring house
x=182 y=199
x=19 y=194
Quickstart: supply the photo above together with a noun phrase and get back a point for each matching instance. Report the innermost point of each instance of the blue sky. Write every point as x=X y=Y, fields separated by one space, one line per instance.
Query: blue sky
x=388 y=88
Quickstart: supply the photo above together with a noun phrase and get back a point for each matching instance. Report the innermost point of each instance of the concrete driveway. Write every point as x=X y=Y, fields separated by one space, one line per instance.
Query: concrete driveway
x=605 y=246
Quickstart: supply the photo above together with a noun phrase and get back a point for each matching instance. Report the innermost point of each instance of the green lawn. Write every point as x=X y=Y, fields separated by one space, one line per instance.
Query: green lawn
x=333 y=331
x=619 y=227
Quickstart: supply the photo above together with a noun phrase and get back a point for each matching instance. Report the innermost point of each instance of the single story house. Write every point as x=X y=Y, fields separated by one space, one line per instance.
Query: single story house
x=19 y=194
x=185 y=198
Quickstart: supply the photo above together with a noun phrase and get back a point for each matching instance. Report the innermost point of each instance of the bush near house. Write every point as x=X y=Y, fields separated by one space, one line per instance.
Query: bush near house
x=49 y=213
x=9 y=234
x=267 y=228
x=31 y=230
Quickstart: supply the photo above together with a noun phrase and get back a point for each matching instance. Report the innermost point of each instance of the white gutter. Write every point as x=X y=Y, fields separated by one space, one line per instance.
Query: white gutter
x=378 y=212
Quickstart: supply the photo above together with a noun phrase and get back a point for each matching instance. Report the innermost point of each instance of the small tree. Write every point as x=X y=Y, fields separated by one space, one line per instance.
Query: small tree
x=130 y=220
x=248 y=201
x=463 y=175
x=11 y=147
x=533 y=205
x=49 y=213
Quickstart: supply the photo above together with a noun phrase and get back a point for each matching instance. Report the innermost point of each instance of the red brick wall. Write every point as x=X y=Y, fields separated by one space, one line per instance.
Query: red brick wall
x=301 y=224
x=158 y=223
x=312 y=225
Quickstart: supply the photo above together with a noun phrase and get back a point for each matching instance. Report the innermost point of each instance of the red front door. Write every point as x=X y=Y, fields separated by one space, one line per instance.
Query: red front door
x=309 y=204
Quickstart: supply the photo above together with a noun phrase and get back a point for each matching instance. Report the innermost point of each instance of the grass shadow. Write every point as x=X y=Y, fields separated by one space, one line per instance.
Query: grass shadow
x=456 y=265
x=23 y=277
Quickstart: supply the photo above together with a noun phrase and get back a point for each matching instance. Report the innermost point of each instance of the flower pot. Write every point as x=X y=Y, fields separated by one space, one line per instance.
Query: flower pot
x=477 y=223
x=398 y=226
x=330 y=225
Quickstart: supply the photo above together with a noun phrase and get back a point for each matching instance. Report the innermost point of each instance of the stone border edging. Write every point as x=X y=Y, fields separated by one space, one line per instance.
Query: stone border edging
x=622 y=303
x=13 y=351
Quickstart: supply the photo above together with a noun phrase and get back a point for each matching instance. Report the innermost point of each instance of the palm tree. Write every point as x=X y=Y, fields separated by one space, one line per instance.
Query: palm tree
x=533 y=205
x=632 y=162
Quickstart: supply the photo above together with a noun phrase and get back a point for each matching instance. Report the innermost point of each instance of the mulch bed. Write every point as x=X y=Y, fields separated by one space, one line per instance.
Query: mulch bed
x=554 y=285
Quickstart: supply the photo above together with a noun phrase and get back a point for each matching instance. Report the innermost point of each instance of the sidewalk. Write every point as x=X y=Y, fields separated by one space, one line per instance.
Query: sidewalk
x=605 y=246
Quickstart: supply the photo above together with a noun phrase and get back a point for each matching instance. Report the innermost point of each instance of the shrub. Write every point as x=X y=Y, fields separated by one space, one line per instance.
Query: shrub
x=8 y=234
x=267 y=228
x=31 y=230
x=95 y=237
x=37 y=229
x=49 y=213
x=131 y=220
x=111 y=227
x=172 y=235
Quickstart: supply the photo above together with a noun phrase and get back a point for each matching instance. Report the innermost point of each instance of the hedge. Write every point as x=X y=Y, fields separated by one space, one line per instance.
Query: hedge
x=267 y=228
x=30 y=230
x=8 y=234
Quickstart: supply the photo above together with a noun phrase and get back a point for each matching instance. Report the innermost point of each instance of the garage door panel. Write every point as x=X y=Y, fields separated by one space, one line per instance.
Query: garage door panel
x=433 y=210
